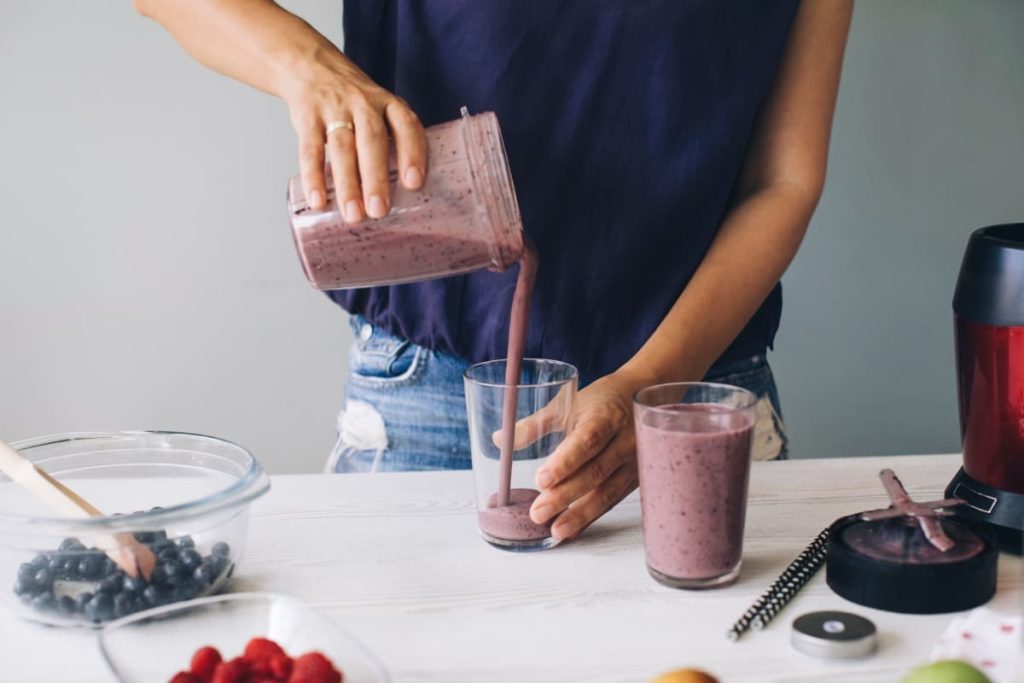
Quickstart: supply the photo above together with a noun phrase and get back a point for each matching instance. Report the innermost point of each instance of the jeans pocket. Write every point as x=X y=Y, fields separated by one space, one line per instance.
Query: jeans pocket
x=380 y=359
x=770 y=441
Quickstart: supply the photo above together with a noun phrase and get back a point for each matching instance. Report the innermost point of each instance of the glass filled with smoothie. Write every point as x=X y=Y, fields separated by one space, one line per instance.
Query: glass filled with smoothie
x=506 y=463
x=693 y=448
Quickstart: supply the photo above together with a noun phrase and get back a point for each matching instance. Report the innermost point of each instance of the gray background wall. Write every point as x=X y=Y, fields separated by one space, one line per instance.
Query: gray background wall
x=147 y=278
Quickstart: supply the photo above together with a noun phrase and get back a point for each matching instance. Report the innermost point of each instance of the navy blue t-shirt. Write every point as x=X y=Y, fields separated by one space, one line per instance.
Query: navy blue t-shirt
x=626 y=123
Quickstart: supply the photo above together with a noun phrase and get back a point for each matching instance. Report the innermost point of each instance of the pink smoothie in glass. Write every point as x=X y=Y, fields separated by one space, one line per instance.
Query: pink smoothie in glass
x=512 y=522
x=694 y=464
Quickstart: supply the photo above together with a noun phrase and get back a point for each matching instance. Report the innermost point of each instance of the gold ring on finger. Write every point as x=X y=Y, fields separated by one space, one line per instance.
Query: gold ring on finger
x=340 y=125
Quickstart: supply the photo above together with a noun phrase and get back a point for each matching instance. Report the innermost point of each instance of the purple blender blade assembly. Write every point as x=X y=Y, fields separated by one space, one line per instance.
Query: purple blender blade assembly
x=911 y=557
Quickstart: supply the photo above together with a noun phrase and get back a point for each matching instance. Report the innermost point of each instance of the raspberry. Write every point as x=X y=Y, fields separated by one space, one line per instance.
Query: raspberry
x=232 y=671
x=185 y=677
x=204 y=663
x=262 y=650
x=313 y=667
x=281 y=667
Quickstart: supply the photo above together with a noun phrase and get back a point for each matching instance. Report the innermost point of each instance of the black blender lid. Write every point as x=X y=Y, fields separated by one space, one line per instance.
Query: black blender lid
x=990 y=288
x=910 y=557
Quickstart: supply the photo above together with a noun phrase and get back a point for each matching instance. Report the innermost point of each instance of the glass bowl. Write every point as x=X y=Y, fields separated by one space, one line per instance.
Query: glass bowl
x=153 y=646
x=186 y=496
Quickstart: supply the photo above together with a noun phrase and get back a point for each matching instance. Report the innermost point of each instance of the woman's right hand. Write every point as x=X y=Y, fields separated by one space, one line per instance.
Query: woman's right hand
x=328 y=88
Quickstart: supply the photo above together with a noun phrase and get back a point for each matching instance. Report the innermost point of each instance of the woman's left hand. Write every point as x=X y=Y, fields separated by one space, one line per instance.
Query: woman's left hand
x=595 y=466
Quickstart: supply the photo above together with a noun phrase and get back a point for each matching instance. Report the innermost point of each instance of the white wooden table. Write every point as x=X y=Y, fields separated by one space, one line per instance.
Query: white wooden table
x=396 y=558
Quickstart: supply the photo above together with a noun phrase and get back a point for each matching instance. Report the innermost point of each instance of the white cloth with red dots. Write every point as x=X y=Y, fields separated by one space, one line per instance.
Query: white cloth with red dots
x=991 y=641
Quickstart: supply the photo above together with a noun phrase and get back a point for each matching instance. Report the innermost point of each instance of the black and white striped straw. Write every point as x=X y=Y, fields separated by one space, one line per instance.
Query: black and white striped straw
x=789 y=583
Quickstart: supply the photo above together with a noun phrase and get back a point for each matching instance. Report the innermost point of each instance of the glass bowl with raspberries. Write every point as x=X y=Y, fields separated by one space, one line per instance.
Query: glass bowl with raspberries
x=236 y=638
x=180 y=499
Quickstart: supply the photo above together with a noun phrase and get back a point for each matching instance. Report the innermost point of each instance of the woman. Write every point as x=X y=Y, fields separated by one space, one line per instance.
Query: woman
x=667 y=155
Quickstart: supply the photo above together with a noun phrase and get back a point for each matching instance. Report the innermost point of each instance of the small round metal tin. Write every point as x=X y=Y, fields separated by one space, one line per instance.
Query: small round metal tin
x=834 y=635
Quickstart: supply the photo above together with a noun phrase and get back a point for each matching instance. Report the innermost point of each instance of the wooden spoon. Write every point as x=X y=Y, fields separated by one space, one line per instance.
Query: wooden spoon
x=133 y=557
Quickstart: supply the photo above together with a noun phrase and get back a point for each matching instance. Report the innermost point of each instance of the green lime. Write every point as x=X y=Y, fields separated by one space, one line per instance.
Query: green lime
x=947 y=671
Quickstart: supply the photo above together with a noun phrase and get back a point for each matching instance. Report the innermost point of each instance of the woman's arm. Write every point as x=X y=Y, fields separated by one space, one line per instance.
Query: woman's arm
x=259 y=43
x=781 y=182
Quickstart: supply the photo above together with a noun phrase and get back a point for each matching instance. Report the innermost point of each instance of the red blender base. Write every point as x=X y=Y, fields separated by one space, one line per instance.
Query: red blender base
x=1000 y=512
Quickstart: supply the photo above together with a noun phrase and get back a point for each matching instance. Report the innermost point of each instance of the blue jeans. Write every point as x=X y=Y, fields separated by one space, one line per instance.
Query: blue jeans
x=405 y=407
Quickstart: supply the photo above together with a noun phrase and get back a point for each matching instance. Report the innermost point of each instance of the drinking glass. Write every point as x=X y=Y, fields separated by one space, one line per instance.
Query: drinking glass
x=544 y=397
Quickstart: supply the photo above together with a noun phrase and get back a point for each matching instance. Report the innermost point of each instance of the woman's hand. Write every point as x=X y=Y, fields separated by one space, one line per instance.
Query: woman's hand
x=327 y=89
x=595 y=466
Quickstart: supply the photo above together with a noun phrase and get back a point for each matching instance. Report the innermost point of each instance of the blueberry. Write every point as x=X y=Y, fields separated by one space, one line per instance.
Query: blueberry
x=168 y=553
x=133 y=585
x=90 y=566
x=160 y=535
x=220 y=564
x=161 y=546
x=71 y=544
x=25 y=586
x=221 y=549
x=41 y=560
x=81 y=600
x=155 y=596
x=44 y=602
x=159 y=575
x=123 y=605
x=184 y=592
x=205 y=573
x=109 y=567
x=144 y=536
x=111 y=584
x=100 y=608
x=190 y=559
x=181 y=579
x=69 y=569
x=186 y=542
x=44 y=578
x=66 y=605
x=58 y=565
x=26 y=571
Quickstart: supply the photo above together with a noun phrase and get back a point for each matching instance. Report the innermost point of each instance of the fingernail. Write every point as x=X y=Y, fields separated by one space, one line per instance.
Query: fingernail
x=545 y=479
x=316 y=199
x=377 y=208
x=561 y=530
x=352 y=211
x=542 y=513
x=413 y=177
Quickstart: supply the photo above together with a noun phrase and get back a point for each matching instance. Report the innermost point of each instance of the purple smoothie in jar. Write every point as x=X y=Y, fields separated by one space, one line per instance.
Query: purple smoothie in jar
x=693 y=456
x=464 y=218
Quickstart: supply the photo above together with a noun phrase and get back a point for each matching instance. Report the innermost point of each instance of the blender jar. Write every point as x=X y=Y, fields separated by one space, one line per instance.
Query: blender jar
x=464 y=218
